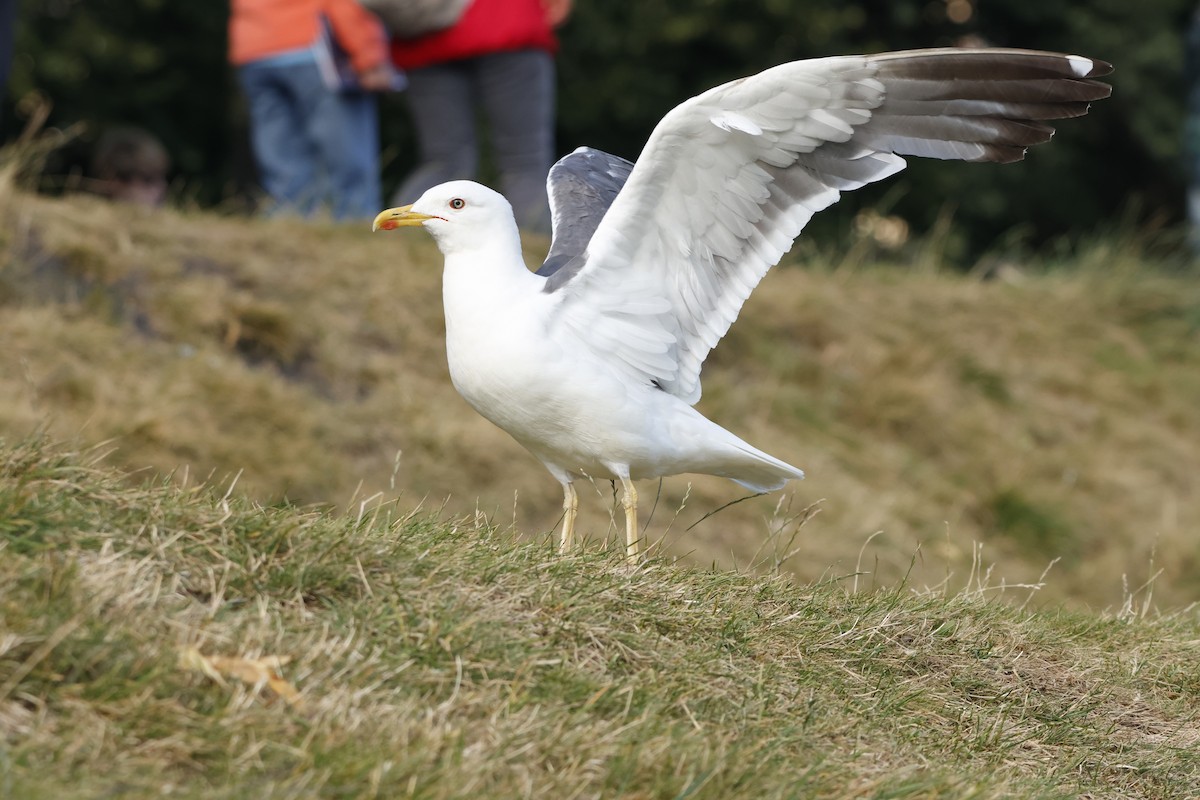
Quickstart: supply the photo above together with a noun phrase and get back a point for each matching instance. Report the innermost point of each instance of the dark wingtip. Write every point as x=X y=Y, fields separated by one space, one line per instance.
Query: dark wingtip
x=1099 y=68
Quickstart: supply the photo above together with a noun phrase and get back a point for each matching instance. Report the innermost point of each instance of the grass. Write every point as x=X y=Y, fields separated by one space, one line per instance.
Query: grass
x=442 y=658
x=252 y=545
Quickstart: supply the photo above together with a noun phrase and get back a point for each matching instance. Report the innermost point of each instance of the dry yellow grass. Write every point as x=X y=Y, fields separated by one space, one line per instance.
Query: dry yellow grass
x=1051 y=417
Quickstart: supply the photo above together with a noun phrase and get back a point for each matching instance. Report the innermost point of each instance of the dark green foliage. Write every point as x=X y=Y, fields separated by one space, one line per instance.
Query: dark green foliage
x=151 y=63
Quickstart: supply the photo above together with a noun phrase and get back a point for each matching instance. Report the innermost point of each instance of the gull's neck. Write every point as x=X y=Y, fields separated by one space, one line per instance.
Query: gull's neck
x=485 y=271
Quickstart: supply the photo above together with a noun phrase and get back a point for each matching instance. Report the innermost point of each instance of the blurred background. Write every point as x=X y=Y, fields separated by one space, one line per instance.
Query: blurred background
x=162 y=66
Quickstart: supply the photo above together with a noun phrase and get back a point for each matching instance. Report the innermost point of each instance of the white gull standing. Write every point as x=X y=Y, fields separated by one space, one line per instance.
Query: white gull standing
x=593 y=362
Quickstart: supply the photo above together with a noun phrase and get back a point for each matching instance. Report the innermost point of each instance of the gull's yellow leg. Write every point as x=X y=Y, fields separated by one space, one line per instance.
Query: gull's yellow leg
x=633 y=544
x=570 y=511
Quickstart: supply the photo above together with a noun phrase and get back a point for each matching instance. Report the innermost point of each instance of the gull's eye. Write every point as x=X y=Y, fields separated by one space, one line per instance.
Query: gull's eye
x=458 y=203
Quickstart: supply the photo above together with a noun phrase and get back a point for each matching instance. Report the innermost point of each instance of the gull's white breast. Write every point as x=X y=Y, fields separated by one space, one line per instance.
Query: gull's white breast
x=568 y=409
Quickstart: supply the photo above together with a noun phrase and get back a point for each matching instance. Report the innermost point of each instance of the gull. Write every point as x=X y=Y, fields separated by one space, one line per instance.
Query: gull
x=592 y=362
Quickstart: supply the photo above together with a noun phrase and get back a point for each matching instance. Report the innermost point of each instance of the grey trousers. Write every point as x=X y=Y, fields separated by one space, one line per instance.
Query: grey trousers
x=515 y=92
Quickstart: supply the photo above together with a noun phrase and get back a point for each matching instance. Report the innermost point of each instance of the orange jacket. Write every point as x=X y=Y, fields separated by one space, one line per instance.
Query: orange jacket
x=262 y=28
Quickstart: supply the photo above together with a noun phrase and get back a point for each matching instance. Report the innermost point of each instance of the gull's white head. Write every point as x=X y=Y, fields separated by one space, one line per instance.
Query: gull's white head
x=460 y=215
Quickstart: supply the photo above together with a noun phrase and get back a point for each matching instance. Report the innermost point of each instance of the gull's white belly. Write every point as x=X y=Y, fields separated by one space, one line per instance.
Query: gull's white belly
x=567 y=409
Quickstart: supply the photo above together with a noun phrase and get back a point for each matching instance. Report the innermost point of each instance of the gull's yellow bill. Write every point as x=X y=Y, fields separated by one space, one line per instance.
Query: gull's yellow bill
x=401 y=216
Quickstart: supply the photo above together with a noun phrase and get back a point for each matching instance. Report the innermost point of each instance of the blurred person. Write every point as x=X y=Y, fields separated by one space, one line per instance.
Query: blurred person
x=498 y=58
x=313 y=139
x=131 y=165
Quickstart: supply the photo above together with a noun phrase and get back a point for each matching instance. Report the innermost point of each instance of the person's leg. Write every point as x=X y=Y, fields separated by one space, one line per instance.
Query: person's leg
x=346 y=173
x=281 y=150
x=517 y=94
x=442 y=103
x=352 y=156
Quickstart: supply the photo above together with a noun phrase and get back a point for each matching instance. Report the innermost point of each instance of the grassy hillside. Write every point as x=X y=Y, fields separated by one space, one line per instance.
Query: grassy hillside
x=158 y=641
x=943 y=420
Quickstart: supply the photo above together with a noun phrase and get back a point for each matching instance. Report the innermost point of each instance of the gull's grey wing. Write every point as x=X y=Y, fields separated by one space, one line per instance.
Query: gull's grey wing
x=728 y=180
x=581 y=186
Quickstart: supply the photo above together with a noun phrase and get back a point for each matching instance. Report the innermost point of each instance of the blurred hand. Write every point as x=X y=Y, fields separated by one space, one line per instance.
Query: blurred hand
x=378 y=78
x=557 y=11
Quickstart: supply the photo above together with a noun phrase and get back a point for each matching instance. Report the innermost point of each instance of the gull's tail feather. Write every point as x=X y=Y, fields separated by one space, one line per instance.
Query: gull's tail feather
x=760 y=472
x=723 y=454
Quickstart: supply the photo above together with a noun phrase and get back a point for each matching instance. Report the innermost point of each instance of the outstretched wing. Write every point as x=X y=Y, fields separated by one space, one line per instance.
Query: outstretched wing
x=581 y=186
x=728 y=180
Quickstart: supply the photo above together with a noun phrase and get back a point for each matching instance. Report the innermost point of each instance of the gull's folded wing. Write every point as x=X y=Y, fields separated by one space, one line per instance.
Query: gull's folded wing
x=581 y=186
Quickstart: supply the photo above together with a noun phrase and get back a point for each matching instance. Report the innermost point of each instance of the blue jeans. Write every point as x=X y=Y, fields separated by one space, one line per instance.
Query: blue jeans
x=312 y=145
x=515 y=91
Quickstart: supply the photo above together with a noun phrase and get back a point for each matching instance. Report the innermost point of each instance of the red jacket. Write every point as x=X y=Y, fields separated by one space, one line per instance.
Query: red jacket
x=261 y=28
x=487 y=26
